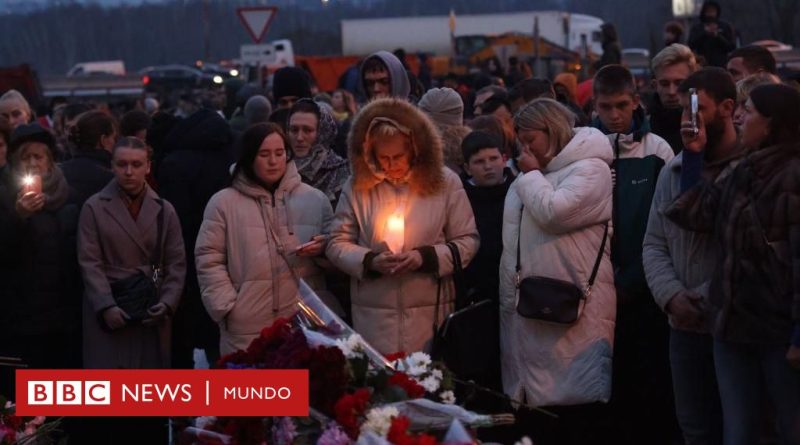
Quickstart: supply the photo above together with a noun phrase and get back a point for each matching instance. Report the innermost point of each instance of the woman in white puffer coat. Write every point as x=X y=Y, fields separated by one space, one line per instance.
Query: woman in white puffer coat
x=560 y=207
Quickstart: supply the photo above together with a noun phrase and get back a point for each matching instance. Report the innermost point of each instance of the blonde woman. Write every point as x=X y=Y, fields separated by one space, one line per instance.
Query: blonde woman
x=397 y=270
x=557 y=212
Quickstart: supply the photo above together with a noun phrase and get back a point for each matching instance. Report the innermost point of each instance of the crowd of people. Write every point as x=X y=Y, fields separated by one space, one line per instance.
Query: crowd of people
x=676 y=214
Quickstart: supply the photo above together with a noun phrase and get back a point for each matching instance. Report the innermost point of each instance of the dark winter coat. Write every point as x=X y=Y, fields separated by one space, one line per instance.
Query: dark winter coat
x=754 y=216
x=666 y=122
x=195 y=166
x=39 y=276
x=483 y=273
x=714 y=48
x=87 y=173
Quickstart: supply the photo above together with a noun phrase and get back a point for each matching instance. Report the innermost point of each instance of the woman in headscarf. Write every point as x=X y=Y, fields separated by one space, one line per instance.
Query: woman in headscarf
x=312 y=131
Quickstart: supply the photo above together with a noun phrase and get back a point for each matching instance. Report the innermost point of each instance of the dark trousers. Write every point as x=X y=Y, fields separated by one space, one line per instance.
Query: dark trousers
x=192 y=328
x=697 y=403
x=642 y=401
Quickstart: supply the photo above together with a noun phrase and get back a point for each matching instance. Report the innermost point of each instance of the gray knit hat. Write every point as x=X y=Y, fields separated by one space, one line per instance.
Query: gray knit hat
x=257 y=110
x=444 y=106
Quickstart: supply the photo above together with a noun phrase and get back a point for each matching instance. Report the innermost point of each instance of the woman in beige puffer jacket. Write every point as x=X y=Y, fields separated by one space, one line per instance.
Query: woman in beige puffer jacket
x=394 y=309
x=245 y=247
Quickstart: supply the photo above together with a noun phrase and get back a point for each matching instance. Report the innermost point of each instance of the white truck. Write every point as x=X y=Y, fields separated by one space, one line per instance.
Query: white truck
x=431 y=34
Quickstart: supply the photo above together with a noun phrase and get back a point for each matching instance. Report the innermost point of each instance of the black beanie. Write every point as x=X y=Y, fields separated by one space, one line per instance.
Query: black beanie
x=31 y=133
x=290 y=81
x=780 y=103
x=477 y=141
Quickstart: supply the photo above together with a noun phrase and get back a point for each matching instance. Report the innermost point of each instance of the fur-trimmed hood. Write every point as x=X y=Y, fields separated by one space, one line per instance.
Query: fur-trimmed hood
x=427 y=177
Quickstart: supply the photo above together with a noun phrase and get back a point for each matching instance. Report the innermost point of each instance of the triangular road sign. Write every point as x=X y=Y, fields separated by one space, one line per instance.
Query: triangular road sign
x=257 y=20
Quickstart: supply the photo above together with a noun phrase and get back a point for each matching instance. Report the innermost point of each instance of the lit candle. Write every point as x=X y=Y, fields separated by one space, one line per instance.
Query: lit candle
x=395 y=232
x=32 y=183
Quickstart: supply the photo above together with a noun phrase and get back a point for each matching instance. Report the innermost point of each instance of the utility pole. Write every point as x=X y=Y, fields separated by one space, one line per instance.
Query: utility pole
x=206 y=31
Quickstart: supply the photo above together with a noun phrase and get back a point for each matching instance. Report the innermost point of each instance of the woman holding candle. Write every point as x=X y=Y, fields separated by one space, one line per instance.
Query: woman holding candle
x=249 y=251
x=118 y=238
x=39 y=283
x=393 y=221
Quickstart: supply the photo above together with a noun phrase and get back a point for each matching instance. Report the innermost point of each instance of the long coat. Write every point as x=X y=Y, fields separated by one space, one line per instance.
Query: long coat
x=244 y=281
x=396 y=313
x=113 y=246
x=565 y=207
x=753 y=215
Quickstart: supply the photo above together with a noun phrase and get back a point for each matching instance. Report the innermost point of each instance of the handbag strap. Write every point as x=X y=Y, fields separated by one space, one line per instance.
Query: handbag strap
x=157 y=260
x=598 y=260
x=281 y=252
x=458 y=274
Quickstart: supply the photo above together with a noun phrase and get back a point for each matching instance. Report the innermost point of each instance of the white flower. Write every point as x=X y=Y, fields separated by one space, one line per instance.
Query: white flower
x=437 y=373
x=524 y=441
x=419 y=359
x=416 y=371
x=379 y=420
x=448 y=398
x=351 y=347
x=431 y=384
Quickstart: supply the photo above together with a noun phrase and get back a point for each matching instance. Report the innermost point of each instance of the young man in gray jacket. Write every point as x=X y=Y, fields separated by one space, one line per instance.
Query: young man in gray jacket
x=678 y=265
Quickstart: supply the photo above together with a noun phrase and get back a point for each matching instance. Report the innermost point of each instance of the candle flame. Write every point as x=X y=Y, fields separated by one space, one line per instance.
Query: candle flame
x=28 y=180
x=395 y=223
x=395 y=232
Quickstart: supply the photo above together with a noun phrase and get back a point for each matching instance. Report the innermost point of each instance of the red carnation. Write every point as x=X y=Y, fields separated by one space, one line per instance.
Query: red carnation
x=398 y=434
x=398 y=431
x=393 y=357
x=349 y=409
x=15 y=423
x=328 y=377
x=412 y=388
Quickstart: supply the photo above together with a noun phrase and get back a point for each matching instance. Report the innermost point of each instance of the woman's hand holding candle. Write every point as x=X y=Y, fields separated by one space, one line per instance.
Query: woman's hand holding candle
x=29 y=203
x=407 y=262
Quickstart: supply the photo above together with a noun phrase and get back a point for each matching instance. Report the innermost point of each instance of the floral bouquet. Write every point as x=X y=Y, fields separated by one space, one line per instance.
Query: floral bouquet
x=16 y=430
x=357 y=396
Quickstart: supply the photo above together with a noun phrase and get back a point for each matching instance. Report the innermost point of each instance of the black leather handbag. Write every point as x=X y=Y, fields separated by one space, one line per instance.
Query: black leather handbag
x=137 y=293
x=468 y=341
x=550 y=299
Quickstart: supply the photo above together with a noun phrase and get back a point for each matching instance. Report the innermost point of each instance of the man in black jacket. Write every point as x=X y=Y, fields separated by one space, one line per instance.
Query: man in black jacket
x=712 y=38
x=195 y=165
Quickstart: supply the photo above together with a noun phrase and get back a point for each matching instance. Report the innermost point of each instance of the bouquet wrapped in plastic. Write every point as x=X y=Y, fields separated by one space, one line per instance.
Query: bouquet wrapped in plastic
x=356 y=394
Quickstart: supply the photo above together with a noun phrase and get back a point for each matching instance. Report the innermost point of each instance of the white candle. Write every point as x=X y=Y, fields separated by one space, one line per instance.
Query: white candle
x=395 y=232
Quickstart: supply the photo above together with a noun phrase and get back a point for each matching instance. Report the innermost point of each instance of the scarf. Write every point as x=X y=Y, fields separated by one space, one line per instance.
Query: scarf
x=322 y=168
x=55 y=189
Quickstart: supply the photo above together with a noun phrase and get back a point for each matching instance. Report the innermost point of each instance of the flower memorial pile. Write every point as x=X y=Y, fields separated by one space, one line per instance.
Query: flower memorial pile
x=356 y=395
x=16 y=430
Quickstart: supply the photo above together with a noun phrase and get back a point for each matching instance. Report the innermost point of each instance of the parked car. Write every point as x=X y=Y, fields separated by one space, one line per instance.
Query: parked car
x=103 y=68
x=167 y=78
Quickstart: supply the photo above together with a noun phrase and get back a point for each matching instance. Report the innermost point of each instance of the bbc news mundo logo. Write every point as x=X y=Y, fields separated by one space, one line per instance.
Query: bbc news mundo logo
x=162 y=392
x=70 y=392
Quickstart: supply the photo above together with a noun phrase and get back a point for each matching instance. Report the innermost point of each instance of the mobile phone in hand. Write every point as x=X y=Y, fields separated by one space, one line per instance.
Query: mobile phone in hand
x=695 y=108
